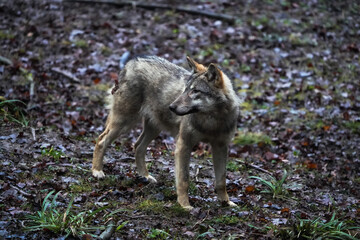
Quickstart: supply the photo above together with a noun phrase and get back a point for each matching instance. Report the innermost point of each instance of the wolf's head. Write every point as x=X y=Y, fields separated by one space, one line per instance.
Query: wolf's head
x=208 y=89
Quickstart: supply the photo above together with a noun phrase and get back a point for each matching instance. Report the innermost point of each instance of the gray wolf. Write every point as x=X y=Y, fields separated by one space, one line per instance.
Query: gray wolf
x=196 y=105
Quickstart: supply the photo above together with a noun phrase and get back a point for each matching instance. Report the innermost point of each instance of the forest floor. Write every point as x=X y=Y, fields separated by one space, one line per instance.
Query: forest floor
x=295 y=63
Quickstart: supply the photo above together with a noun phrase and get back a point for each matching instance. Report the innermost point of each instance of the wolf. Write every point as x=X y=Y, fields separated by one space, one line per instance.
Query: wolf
x=193 y=106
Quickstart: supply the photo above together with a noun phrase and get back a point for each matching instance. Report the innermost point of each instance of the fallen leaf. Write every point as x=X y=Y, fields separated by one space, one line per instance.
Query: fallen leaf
x=311 y=165
x=86 y=237
x=271 y=156
x=326 y=128
x=263 y=220
x=353 y=47
x=305 y=143
x=278 y=221
x=250 y=189
x=96 y=80
x=189 y=234
x=277 y=102
x=285 y=210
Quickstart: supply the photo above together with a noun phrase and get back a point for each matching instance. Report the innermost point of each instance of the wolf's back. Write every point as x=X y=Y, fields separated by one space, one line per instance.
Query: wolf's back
x=147 y=86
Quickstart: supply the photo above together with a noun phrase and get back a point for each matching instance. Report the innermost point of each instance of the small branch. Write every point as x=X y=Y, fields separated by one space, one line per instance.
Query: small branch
x=197 y=173
x=202 y=220
x=66 y=74
x=254 y=166
x=146 y=5
x=33 y=133
x=28 y=195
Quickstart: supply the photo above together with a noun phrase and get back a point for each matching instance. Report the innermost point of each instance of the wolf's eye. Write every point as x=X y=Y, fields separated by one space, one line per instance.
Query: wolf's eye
x=195 y=91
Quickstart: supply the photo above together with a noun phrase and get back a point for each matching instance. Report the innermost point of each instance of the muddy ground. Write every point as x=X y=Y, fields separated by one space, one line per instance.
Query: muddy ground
x=295 y=64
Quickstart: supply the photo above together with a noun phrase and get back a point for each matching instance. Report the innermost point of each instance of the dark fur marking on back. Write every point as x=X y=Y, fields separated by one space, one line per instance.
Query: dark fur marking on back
x=116 y=87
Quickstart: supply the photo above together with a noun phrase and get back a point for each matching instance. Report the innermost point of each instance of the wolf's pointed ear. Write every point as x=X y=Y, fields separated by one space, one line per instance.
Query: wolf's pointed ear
x=214 y=75
x=194 y=66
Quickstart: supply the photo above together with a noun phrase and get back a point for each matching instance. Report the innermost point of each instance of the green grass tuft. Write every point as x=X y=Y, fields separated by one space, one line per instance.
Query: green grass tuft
x=53 y=218
x=51 y=152
x=13 y=111
x=158 y=234
x=158 y=207
x=81 y=187
x=81 y=43
x=353 y=126
x=319 y=229
x=248 y=138
x=152 y=206
x=6 y=35
x=274 y=186
x=227 y=220
x=233 y=166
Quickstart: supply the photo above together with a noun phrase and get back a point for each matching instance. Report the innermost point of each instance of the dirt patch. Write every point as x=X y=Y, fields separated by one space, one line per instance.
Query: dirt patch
x=295 y=64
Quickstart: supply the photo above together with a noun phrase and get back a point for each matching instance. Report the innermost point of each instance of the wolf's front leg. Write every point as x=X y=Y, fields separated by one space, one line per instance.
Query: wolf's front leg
x=220 y=152
x=182 y=160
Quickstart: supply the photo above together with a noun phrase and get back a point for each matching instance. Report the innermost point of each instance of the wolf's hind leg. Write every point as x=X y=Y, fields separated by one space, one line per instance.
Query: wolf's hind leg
x=105 y=139
x=98 y=155
x=114 y=128
x=148 y=134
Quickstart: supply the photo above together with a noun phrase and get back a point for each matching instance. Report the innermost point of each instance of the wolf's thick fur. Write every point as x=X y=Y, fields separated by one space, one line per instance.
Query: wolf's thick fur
x=193 y=106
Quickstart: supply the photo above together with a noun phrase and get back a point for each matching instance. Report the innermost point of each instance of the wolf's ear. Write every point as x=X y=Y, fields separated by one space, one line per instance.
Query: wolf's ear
x=214 y=75
x=194 y=66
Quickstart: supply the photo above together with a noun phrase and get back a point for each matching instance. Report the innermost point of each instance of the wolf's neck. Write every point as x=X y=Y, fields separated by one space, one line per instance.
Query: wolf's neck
x=218 y=123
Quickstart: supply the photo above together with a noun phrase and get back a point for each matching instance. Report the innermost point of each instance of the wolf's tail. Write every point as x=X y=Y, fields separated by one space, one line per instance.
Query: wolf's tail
x=109 y=99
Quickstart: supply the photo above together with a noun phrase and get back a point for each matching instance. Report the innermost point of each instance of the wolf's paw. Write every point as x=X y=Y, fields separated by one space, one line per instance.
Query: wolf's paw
x=98 y=174
x=187 y=208
x=147 y=179
x=151 y=179
x=231 y=204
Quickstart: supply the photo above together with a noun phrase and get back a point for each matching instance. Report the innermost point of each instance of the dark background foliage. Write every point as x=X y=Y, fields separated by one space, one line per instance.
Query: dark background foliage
x=295 y=63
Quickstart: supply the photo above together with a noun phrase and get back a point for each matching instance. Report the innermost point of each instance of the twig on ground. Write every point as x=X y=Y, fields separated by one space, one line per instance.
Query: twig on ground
x=33 y=133
x=126 y=216
x=66 y=74
x=197 y=173
x=28 y=195
x=254 y=166
x=202 y=220
x=148 y=5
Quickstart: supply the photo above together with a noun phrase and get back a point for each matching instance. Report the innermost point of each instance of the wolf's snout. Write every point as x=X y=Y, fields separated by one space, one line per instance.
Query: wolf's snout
x=172 y=107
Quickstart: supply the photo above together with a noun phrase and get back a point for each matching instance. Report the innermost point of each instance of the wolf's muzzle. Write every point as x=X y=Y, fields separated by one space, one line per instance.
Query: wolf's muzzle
x=172 y=108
